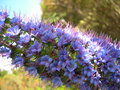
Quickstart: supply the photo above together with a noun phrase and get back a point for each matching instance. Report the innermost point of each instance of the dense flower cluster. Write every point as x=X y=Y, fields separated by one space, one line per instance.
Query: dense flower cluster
x=62 y=54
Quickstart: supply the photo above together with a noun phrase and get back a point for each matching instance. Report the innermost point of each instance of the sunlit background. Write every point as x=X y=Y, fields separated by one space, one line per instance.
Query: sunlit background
x=29 y=8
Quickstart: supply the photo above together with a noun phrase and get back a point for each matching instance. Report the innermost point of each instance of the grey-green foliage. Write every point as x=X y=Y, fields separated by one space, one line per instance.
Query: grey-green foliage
x=98 y=15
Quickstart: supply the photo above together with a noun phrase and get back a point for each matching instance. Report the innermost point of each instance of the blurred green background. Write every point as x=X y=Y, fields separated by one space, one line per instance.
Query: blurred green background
x=21 y=80
x=97 y=15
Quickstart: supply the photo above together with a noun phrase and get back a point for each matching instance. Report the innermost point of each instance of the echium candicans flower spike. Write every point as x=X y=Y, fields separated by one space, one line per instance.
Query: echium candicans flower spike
x=98 y=58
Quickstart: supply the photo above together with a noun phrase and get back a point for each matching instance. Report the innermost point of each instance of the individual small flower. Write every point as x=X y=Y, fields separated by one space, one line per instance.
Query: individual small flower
x=5 y=51
x=45 y=60
x=24 y=39
x=79 y=79
x=117 y=77
x=76 y=45
x=35 y=48
x=32 y=70
x=62 y=61
x=57 y=81
x=88 y=71
x=83 y=55
x=13 y=31
x=1 y=23
x=60 y=32
x=15 y=20
x=110 y=87
x=28 y=26
x=48 y=37
x=18 y=61
x=118 y=61
x=43 y=77
x=3 y=15
x=39 y=32
x=55 y=66
x=69 y=74
x=84 y=59
x=71 y=65
x=64 y=39
x=95 y=81
x=63 y=52
x=104 y=69
x=111 y=66
x=104 y=81
x=114 y=52
x=85 y=86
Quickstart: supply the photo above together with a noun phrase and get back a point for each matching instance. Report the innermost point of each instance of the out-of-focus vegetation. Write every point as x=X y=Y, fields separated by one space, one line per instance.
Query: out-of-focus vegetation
x=21 y=80
x=98 y=15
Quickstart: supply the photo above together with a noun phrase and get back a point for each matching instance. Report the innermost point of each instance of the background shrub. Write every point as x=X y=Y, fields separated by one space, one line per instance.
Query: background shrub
x=21 y=80
x=100 y=16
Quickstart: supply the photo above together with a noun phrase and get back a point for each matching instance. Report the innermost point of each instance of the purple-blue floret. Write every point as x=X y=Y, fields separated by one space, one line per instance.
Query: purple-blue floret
x=32 y=70
x=57 y=81
x=34 y=49
x=55 y=66
x=71 y=65
x=45 y=60
x=13 y=31
x=19 y=61
x=24 y=39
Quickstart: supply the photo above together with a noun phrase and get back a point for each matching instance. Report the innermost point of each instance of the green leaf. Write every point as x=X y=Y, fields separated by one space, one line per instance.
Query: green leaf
x=7 y=20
